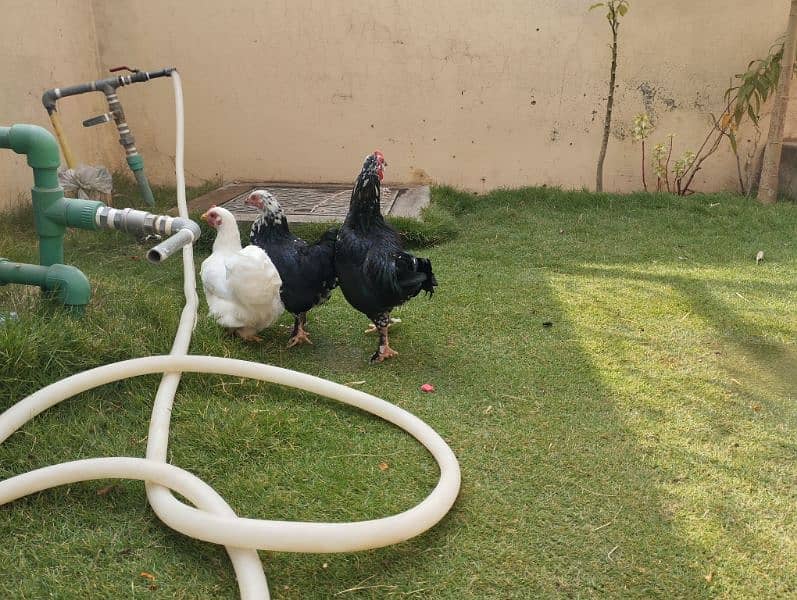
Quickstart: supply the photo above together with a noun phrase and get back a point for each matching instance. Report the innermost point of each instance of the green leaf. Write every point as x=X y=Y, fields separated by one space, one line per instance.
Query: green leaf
x=738 y=114
x=622 y=9
x=760 y=86
x=751 y=112
x=732 y=138
x=744 y=91
x=596 y=5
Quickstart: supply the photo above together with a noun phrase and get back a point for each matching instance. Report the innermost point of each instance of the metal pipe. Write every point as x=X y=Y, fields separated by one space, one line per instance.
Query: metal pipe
x=53 y=213
x=108 y=87
x=182 y=231
x=51 y=96
x=170 y=245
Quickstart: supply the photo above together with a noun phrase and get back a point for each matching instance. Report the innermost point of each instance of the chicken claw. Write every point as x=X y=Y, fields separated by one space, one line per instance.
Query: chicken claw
x=383 y=354
x=384 y=351
x=300 y=337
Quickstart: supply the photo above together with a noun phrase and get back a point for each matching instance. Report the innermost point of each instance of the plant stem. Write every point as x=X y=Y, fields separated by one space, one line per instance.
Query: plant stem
x=739 y=172
x=607 y=123
x=644 y=183
x=721 y=131
x=667 y=167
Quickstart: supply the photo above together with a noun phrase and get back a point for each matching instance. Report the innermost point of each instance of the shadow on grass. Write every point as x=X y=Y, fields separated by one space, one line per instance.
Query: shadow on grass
x=562 y=495
x=558 y=497
x=730 y=327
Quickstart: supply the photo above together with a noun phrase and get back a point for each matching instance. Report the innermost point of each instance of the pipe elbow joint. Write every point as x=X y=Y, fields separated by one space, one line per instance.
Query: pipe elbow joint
x=184 y=232
x=69 y=285
x=192 y=226
x=38 y=144
x=49 y=98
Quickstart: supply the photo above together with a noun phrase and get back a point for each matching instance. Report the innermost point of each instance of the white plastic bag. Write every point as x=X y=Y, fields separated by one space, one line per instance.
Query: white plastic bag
x=86 y=182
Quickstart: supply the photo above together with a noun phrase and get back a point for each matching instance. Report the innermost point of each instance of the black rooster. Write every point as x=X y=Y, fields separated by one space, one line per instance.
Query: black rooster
x=374 y=273
x=307 y=270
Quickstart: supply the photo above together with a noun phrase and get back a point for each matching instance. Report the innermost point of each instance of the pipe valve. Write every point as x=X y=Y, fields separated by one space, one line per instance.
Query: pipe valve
x=98 y=120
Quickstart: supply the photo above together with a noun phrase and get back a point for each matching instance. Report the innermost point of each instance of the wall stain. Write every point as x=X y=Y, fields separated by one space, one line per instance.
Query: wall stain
x=648 y=92
x=419 y=176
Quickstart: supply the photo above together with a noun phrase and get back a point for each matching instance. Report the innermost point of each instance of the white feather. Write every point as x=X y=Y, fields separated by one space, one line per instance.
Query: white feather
x=242 y=285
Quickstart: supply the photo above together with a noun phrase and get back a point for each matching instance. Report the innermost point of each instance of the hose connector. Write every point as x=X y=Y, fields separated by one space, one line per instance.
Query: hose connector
x=182 y=231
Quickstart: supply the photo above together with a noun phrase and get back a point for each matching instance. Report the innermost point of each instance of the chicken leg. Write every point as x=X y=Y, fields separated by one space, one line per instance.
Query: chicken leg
x=372 y=328
x=299 y=334
x=382 y=322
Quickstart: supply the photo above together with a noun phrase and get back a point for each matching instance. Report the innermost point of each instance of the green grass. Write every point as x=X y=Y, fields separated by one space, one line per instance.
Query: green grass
x=641 y=446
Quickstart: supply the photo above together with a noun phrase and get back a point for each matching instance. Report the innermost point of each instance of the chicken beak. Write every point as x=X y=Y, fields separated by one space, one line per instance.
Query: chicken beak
x=254 y=202
x=204 y=216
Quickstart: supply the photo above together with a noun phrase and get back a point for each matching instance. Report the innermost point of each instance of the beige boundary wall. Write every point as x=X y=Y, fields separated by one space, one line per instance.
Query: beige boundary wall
x=45 y=44
x=472 y=93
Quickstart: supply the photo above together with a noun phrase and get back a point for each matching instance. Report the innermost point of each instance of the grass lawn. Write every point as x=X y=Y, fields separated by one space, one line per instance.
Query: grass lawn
x=641 y=446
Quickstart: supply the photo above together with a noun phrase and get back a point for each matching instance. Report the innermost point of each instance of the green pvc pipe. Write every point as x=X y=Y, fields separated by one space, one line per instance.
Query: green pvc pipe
x=52 y=212
x=66 y=283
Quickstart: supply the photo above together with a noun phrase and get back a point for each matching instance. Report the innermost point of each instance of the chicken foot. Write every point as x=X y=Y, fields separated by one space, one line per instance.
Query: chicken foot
x=299 y=334
x=248 y=334
x=382 y=322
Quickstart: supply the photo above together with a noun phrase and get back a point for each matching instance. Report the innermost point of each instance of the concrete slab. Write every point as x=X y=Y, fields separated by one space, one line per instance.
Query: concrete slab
x=410 y=202
x=305 y=202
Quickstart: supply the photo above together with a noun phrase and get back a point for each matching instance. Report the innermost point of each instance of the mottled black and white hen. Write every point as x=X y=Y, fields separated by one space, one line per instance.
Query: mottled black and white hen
x=374 y=273
x=307 y=270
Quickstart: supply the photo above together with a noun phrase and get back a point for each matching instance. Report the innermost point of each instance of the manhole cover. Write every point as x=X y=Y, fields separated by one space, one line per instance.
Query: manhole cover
x=307 y=204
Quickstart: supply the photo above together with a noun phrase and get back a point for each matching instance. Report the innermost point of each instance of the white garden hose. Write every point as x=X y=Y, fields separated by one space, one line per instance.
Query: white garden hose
x=213 y=520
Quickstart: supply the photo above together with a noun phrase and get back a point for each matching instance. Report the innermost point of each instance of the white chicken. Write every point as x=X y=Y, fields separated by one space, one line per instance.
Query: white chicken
x=242 y=286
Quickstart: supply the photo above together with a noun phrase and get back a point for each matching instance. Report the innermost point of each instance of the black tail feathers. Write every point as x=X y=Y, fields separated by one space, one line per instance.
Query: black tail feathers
x=330 y=235
x=425 y=267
